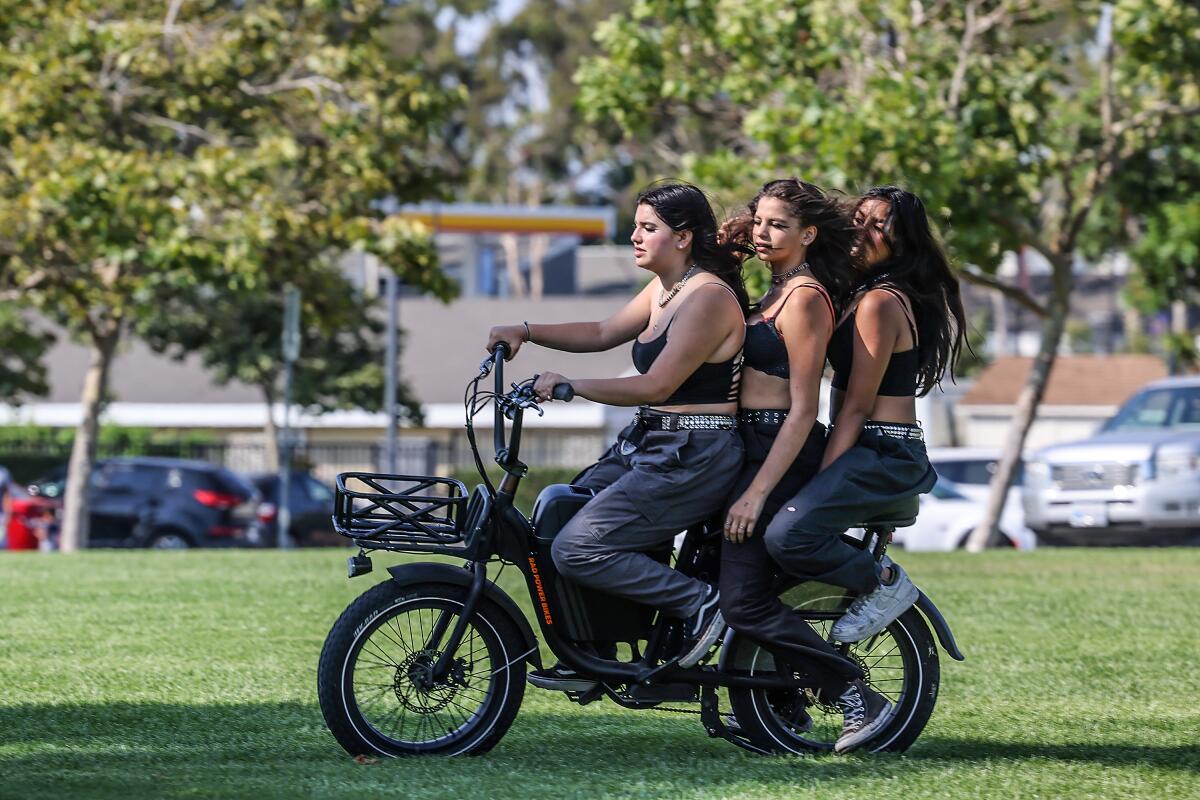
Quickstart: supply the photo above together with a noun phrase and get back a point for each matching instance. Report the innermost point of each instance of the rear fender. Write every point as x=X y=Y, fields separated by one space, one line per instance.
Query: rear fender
x=940 y=627
x=413 y=574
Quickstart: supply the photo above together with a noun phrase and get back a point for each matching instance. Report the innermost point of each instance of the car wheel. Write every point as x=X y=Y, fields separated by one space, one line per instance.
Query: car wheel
x=169 y=540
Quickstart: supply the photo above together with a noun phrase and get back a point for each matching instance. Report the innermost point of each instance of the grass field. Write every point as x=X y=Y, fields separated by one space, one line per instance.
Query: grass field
x=171 y=675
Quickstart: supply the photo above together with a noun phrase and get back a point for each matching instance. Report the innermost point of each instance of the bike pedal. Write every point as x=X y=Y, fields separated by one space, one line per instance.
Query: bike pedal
x=664 y=692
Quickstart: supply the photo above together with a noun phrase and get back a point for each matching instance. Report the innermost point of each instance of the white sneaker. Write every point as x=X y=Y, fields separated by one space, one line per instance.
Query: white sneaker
x=871 y=613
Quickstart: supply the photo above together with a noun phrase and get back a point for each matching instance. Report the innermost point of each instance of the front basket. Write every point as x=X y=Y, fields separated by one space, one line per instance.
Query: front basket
x=415 y=513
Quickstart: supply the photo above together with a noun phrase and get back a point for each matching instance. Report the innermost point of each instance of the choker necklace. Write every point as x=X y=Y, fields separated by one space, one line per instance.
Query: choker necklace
x=664 y=297
x=782 y=278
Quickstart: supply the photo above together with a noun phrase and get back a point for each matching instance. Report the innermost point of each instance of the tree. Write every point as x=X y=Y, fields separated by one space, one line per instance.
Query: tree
x=341 y=364
x=21 y=350
x=521 y=139
x=1021 y=123
x=152 y=151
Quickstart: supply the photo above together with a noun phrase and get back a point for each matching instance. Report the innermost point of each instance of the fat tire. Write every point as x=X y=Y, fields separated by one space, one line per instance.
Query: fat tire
x=363 y=616
x=917 y=702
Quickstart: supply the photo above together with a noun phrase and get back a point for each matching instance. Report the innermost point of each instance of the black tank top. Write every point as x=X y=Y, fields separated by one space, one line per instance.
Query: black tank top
x=764 y=348
x=710 y=383
x=900 y=377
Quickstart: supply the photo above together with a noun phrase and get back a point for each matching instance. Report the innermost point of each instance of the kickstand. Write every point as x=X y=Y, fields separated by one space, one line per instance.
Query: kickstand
x=710 y=715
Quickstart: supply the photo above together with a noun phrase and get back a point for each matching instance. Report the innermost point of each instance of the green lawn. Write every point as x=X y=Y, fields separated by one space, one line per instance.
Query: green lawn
x=192 y=675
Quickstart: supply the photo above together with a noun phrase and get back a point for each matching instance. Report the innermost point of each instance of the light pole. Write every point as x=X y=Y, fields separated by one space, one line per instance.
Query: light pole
x=291 y=352
x=390 y=378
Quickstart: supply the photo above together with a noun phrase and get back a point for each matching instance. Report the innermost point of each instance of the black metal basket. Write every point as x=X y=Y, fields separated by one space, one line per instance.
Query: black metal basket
x=410 y=513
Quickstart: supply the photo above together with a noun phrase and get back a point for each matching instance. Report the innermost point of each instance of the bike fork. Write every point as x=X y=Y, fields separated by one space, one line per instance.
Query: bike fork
x=442 y=666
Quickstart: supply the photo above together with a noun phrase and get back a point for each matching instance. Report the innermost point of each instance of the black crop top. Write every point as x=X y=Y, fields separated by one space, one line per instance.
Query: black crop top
x=900 y=377
x=710 y=383
x=764 y=348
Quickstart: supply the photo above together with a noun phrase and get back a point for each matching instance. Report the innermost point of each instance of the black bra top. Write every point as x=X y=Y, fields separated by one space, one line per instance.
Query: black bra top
x=710 y=383
x=900 y=378
x=764 y=348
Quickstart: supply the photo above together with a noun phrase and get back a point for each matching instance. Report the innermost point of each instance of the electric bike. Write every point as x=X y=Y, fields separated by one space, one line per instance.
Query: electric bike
x=433 y=661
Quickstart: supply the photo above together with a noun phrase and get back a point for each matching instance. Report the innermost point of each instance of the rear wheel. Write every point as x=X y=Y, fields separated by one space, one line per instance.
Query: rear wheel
x=375 y=679
x=901 y=663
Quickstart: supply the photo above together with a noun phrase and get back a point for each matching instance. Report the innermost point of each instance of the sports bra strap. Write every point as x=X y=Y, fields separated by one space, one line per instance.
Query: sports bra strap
x=818 y=287
x=912 y=326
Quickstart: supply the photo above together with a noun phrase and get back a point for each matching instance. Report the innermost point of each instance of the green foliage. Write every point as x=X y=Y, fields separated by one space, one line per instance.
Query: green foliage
x=144 y=158
x=341 y=363
x=521 y=138
x=21 y=349
x=1006 y=118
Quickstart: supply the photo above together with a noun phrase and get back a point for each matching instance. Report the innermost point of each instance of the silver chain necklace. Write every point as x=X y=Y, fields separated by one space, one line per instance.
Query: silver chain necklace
x=781 y=279
x=664 y=297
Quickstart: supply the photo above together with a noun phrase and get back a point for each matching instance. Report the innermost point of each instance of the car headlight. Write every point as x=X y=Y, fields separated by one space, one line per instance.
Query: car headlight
x=1037 y=472
x=1172 y=462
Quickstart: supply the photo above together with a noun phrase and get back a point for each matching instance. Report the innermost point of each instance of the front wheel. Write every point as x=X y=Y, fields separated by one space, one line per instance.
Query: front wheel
x=900 y=662
x=375 y=679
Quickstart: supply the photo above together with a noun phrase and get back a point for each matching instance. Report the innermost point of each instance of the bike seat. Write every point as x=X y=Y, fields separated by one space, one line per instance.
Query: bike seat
x=901 y=515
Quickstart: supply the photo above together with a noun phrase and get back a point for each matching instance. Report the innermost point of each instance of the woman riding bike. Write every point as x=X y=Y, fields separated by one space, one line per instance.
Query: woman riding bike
x=805 y=237
x=678 y=459
x=902 y=331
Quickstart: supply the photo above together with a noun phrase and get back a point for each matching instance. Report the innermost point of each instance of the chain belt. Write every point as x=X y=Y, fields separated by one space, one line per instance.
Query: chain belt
x=768 y=416
x=896 y=430
x=663 y=421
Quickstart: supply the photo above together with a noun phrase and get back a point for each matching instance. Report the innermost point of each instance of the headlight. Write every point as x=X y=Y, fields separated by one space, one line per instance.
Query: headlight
x=1037 y=472
x=1172 y=462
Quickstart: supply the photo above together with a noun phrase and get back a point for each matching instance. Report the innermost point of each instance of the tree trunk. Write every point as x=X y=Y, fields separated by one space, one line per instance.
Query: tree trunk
x=511 y=245
x=987 y=532
x=271 y=433
x=76 y=513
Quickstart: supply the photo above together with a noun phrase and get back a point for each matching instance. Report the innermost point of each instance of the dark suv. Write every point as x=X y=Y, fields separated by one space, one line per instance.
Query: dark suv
x=164 y=503
x=311 y=503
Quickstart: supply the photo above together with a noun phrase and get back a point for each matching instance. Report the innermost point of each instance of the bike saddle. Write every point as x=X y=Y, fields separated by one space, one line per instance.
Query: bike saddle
x=901 y=515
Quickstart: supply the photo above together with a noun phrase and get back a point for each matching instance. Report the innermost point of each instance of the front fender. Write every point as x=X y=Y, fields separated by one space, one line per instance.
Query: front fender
x=940 y=626
x=428 y=572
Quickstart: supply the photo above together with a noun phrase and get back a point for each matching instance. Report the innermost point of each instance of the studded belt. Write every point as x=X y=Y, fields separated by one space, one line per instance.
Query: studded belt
x=664 y=421
x=767 y=416
x=896 y=430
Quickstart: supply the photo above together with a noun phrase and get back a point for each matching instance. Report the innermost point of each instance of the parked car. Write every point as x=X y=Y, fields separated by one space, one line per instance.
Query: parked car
x=1135 y=482
x=163 y=503
x=311 y=504
x=970 y=469
x=947 y=517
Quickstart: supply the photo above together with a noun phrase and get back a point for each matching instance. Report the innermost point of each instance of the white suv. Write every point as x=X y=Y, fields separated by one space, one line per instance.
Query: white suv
x=1136 y=481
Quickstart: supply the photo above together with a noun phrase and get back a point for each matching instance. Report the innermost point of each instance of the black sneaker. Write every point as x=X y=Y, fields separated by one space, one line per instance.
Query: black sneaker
x=702 y=629
x=560 y=678
x=864 y=713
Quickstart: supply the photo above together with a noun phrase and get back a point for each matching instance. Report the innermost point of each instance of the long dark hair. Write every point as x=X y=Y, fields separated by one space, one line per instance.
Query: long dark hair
x=832 y=256
x=685 y=208
x=918 y=267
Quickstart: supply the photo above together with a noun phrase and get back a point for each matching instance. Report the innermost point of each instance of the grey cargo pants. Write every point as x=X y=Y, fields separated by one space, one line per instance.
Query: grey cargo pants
x=650 y=486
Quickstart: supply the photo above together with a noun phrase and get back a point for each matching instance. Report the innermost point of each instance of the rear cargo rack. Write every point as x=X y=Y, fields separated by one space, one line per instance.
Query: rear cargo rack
x=410 y=513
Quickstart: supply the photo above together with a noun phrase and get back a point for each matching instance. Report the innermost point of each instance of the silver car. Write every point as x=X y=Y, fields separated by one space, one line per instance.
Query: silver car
x=1136 y=481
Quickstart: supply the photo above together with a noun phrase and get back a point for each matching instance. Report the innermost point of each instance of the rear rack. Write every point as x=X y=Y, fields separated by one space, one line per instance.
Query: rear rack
x=409 y=513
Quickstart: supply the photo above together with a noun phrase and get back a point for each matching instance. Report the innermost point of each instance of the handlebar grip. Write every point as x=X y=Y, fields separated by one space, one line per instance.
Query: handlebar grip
x=501 y=349
x=563 y=391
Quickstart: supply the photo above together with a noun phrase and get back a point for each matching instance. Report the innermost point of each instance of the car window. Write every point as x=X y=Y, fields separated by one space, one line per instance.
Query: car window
x=942 y=491
x=1176 y=407
x=139 y=478
x=974 y=472
x=317 y=491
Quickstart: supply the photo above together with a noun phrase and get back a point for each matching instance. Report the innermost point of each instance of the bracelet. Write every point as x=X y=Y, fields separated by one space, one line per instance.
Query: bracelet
x=528 y=335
